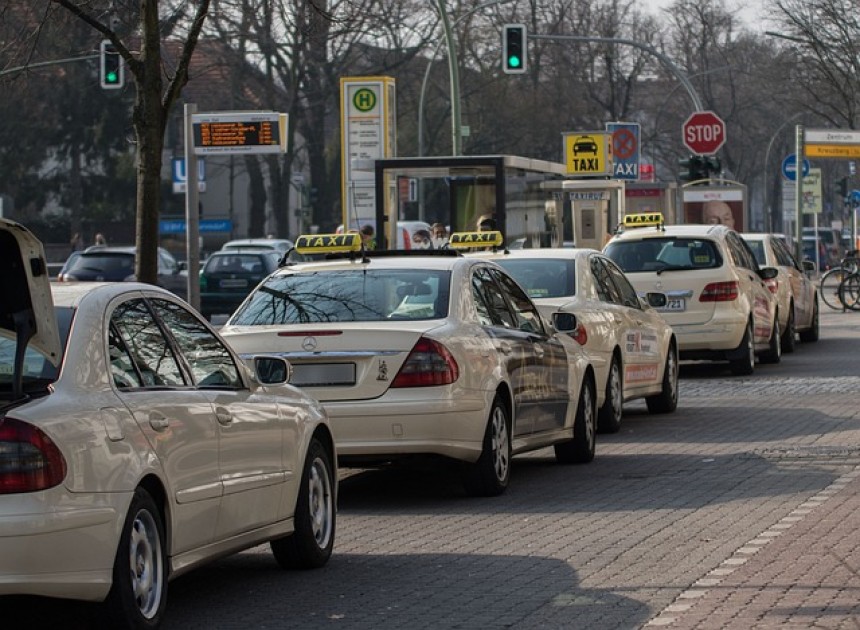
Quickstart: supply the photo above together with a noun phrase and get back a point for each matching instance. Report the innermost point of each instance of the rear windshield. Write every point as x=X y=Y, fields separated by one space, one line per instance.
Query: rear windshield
x=666 y=253
x=542 y=277
x=241 y=263
x=38 y=371
x=113 y=265
x=347 y=296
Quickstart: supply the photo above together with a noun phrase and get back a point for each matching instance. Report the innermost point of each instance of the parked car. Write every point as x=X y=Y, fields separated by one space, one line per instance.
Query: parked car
x=228 y=276
x=718 y=303
x=101 y=263
x=632 y=348
x=281 y=245
x=831 y=250
x=135 y=445
x=795 y=290
x=424 y=354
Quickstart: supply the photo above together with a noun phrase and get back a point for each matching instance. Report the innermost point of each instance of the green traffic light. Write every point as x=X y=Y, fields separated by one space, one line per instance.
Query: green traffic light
x=111 y=77
x=513 y=61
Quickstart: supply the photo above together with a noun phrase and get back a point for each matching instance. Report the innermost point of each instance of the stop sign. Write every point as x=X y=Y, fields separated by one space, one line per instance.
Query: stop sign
x=704 y=133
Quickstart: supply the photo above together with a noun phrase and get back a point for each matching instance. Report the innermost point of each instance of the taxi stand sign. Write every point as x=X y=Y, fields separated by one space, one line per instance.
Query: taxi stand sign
x=328 y=243
x=588 y=153
x=647 y=219
x=463 y=240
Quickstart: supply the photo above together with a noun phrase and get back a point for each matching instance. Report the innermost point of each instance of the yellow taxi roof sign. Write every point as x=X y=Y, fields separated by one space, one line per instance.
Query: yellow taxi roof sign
x=643 y=220
x=322 y=243
x=462 y=240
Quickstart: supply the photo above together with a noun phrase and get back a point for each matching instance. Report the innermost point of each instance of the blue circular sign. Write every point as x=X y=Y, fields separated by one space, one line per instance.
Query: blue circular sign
x=789 y=167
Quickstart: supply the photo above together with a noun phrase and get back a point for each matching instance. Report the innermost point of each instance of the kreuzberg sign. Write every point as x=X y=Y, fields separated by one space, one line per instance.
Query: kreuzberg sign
x=588 y=152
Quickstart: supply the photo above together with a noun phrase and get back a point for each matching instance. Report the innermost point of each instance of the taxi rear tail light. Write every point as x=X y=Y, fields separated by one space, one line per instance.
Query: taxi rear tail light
x=29 y=459
x=580 y=335
x=720 y=292
x=772 y=285
x=428 y=364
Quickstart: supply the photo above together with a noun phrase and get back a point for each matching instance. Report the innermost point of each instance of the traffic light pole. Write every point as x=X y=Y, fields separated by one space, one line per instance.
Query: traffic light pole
x=453 y=68
x=697 y=102
x=42 y=64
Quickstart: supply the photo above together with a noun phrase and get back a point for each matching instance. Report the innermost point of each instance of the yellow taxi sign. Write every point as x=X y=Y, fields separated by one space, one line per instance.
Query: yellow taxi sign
x=321 y=243
x=643 y=220
x=475 y=239
x=588 y=152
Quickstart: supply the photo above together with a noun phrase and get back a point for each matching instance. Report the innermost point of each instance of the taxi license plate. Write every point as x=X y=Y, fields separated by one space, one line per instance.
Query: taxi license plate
x=674 y=304
x=234 y=283
x=321 y=374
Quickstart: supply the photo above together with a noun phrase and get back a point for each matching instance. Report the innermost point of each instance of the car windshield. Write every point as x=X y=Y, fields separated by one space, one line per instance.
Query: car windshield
x=543 y=277
x=38 y=372
x=665 y=253
x=347 y=296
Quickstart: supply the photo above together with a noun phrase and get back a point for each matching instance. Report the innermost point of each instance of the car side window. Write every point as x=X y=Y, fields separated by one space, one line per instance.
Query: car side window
x=628 y=293
x=145 y=345
x=526 y=313
x=606 y=291
x=485 y=289
x=211 y=363
x=740 y=252
x=783 y=256
x=122 y=368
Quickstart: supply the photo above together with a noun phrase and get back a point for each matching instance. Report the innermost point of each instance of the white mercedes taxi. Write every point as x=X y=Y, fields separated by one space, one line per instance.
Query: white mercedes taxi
x=796 y=292
x=718 y=303
x=424 y=353
x=631 y=346
x=135 y=445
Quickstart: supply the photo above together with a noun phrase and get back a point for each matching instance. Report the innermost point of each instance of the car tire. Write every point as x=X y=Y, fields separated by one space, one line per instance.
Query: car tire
x=490 y=475
x=773 y=354
x=311 y=543
x=790 y=332
x=667 y=400
x=813 y=332
x=609 y=415
x=580 y=450
x=138 y=595
x=744 y=364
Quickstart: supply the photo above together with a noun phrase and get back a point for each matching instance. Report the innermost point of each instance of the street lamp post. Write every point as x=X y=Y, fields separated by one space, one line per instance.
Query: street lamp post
x=798 y=170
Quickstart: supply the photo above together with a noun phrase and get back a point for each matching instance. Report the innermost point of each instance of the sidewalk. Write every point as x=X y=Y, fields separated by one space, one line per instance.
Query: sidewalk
x=803 y=572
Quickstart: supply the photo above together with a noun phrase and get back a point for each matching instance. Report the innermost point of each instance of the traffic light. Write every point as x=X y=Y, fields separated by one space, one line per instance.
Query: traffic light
x=111 y=69
x=711 y=165
x=843 y=188
x=693 y=168
x=514 y=56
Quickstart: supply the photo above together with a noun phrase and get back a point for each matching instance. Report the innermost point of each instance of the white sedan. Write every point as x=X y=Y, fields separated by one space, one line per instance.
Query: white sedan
x=430 y=354
x=632 y=348
x=135 y=445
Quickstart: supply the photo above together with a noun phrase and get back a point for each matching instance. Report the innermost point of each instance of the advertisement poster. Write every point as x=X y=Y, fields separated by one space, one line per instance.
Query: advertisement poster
x=724 y=205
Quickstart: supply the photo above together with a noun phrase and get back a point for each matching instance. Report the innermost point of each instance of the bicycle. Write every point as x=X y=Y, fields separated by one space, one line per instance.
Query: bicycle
x=849 y=292
x=831 y=281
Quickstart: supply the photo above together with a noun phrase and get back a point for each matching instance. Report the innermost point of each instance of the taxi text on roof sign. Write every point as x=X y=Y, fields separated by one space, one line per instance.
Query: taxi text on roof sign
x=588 y=152
x=475 y=239
x=643 y=220
x=320 y=243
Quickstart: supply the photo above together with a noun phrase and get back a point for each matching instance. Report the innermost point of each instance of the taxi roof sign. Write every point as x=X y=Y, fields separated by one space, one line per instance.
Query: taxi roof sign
x=462 y=240
x=643 y=220
x=323 y=243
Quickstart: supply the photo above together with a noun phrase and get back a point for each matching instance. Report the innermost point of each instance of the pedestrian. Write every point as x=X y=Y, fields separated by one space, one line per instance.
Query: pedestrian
x=367 y=236
x=77 y=242
x=100 y=239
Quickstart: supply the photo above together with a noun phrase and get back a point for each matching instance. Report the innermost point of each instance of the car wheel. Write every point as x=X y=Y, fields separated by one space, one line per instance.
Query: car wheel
x=138 y=595
x=489 y=476
x=773 y=354
x=811 y=334
x=744 y=364
x=311 y=543
x=609 y=416
x=789 y=333
x=580 y=450
x=667 y=400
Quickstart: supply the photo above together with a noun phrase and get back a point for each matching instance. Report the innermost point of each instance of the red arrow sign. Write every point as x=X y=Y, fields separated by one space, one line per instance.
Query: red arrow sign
x=704 y=133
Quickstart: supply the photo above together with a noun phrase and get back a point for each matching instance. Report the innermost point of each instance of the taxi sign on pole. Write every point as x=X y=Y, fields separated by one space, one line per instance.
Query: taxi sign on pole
x=625 y=149
x=588 y=152
x=322 y=243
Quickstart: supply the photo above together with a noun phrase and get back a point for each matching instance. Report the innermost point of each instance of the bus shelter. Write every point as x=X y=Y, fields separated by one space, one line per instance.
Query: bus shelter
x=504 y=192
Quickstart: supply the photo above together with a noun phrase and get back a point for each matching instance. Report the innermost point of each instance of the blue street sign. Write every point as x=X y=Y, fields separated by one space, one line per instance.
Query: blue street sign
x=177 y=226
x=789 y=167
x=625 y=150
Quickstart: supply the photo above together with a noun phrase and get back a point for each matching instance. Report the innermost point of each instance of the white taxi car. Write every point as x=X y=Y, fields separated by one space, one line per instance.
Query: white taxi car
x=135 y=445
x=718 y=303
x=796 y=293
x=423 y=353
x=631 y=346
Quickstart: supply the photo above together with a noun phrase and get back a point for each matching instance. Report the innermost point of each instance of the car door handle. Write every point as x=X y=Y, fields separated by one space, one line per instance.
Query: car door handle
x=158 y=422
x=224 y=417
x=539 y=352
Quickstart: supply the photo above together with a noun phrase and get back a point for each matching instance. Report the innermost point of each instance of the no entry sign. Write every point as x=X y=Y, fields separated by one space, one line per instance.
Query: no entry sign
x=704 y=133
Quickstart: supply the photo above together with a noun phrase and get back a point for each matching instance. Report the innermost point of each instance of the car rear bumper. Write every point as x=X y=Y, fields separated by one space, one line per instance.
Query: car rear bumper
x=721 y=333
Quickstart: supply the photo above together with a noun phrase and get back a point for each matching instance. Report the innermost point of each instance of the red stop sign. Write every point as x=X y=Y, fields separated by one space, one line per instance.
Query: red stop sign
x=704 y=133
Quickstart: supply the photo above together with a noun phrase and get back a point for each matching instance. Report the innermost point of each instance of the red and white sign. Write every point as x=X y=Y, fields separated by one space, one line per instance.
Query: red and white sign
x=704 y=133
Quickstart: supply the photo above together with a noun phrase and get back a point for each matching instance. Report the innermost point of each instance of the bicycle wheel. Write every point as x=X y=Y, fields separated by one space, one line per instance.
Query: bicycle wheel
x=829 y=287
x=849 y=292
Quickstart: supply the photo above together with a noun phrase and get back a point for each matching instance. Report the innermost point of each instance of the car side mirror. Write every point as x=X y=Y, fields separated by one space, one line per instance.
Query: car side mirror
x=808 y=266
x=272 y=370
x=656 y=299
x=564 y=322
x=768 y=273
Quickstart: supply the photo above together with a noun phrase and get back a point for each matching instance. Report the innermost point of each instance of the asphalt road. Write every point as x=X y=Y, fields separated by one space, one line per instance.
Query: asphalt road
x=612 y=544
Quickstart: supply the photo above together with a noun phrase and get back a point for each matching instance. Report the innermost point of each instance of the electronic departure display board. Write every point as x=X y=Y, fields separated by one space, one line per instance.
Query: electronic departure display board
x=239 y=132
